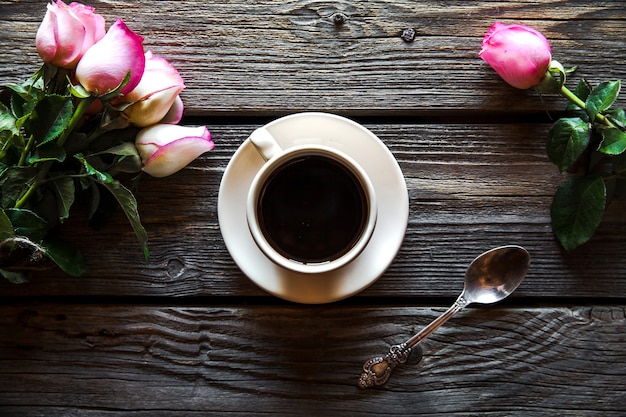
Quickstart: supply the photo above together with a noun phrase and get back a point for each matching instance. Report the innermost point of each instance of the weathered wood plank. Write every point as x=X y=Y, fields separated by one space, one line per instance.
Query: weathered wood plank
x=473 y=184
x=471 y=187
x=160 y=360
x=237 y=57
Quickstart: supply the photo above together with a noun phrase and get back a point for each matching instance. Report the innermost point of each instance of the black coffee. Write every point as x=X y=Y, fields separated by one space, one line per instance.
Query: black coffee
x=313 y=209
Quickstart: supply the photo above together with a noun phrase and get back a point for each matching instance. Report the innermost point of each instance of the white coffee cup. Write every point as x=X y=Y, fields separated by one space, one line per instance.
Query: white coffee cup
x=310 y=208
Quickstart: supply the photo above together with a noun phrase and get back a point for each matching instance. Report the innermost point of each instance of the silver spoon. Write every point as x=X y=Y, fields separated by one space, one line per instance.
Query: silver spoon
x=490 y=277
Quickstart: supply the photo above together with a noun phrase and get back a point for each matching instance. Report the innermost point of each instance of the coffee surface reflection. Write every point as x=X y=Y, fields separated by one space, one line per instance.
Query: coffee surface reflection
x=312 y=209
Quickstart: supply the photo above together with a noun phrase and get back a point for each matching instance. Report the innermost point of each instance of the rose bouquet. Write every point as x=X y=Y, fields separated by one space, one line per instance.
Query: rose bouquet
x=100 y=108
x=589 y=143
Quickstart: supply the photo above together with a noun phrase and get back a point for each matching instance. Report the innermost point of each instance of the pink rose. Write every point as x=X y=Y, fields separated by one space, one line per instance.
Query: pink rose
x=175 y=113
x=104 y=65
x=166 y=149
x=519 y=54
x=67 y=32
x=155 y=94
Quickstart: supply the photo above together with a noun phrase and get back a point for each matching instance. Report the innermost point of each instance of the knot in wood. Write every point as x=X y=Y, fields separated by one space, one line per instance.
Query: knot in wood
x=408 y=35
x=339 y=18
x=175 y=268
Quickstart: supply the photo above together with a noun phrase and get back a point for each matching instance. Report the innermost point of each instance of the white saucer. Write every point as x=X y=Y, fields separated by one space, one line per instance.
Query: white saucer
x=393 y=210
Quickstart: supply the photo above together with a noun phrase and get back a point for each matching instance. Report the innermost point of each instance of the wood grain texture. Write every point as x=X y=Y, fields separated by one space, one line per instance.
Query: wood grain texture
x=271 y=57
x=169 y=360
x=188 y=334
x=471 y=187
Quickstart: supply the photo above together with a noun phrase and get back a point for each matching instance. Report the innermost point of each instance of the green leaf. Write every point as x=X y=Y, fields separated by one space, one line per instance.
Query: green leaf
x=126 y=159
x=613 y=141
x=49 y=152
x=127 y=201
x=26 y=90
x=577 y=209
x=15 y=181
x=94 y=201
x=9 y=132
x=602 y=97
x=123 y=149
x=19 y=122
x=49 y=118
x=101 y=177
x=581 y=91
x=79 y=91
x=64 y=190
x=7 y=120
x=102 y=208
x=618 y=117
x=14 y=277
x=28 y=224
x=567 y=140
x=6 y=139
x=6 y=227
x=66 y=256
x=25 y=99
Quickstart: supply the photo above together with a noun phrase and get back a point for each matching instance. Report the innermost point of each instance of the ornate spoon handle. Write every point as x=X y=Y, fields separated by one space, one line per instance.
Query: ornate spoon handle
x=376 y=371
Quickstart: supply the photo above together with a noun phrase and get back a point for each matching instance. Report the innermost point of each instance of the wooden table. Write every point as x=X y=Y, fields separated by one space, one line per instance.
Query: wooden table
x=189 y=334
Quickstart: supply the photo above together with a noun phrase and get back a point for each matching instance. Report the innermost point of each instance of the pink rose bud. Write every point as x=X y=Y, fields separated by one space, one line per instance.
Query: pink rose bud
x=519 y=54
x=155 y=94
x=166 y=149
x=175 y=113
x=67 y=32
x=105 y=65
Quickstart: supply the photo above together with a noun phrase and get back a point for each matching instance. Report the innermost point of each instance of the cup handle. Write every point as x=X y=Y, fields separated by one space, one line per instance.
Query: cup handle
x=265 y=143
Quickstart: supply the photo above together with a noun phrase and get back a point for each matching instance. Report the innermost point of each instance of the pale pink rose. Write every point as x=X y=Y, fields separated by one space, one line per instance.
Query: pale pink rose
x=519 y=54
x=166 y=148
x=175 y=113
x=104 y=65
x=155 y=94
x=67 y=32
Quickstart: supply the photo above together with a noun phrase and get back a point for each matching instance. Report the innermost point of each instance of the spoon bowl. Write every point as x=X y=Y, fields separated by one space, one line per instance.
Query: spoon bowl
x=490 y=278
x=495 y=274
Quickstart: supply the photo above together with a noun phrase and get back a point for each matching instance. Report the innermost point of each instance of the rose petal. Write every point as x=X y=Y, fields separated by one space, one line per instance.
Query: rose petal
x=105 y=65
x=165 y=149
